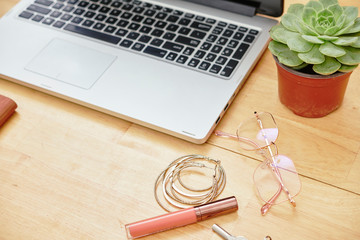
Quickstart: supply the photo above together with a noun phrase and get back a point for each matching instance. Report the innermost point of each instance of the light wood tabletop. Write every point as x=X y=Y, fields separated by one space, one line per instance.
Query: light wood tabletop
x=69 y=172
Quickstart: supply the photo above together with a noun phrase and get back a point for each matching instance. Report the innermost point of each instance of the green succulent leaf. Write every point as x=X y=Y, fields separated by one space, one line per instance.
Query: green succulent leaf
x=327 y=38
x=345 y=41
x=284 y=54
x=327 y=3
x=281 y=34
x=308 y=15
x=301 y=66
x=324 y=21
x=299 y=44
x=355 y=28
x=314 y=56
x=352 y=56
x=351 y=14
x=331 y=50
x=337 y=11
x=312 y=39
x=290 y=21
x=305 y=29
x=296 y=9
x=329 y=66
x=356 y=44
x=347 y=68
x=317 y=6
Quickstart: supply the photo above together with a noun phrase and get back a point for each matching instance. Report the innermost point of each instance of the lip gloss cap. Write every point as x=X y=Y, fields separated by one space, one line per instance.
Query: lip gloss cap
x=216 y=208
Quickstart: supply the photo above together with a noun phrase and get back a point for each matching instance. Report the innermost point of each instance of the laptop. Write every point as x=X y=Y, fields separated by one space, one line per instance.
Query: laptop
x=174 y=66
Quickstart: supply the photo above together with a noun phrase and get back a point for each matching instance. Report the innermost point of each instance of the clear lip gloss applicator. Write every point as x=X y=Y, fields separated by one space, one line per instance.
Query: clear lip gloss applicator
x=181 y=218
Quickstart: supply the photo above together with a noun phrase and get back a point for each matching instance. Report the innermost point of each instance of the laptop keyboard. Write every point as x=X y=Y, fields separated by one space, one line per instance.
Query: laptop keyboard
x=193 y=41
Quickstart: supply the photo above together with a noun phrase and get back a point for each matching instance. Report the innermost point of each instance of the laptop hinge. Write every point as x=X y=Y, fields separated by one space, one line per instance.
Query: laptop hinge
x=248 y=8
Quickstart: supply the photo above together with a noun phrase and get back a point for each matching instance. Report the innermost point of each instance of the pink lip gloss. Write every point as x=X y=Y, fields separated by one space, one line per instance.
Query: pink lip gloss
x=181 y=218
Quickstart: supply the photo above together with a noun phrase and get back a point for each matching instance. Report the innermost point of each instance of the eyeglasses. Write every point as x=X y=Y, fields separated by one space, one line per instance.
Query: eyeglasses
x=276 y=178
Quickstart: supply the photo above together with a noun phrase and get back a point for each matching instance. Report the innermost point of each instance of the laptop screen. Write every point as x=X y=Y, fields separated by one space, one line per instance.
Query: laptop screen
x=247 y=7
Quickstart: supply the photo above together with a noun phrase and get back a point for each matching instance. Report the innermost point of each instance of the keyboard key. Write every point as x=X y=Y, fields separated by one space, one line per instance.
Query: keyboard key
x=133 y=35
x=222 y=41
x=38 y=9
x=253 y=31
x=55 y=14
x=184 y=30
x=201 y=26
x=161 y=15
x=157 y=32
x=48 y=21
x=241 y=51
x=188 y=51
x=121 y=32
x=169 y=36
x=171 y=56
x=184 y=21
x=91 y=33
x=211 y=38
x=145 y=29
x=99 y=26
x=149 y=21
x=38 y=18
x=198 y=34
x=160 y=24
x=88 y=23
x=144 y=39
x=233 y=44
x=138 y=47
x=187 y=41
x=173 y=46
x=249 y=38
x=46 y=3
x=157 y=42
x=26 y=14
x=210 y=57
x=110 y=29
x=194 y=62
x=227 y=52
x=200 y=54
x=126 y=43
x=59 y=24
x=157 y=52
x=221 y=60
x=215 y=69
x=182 y=59
x=206 y=46
x=204 y=66
x=172 y=18
x=243 y=29
x=216 y=49
x=172 y=27
x=229 y=68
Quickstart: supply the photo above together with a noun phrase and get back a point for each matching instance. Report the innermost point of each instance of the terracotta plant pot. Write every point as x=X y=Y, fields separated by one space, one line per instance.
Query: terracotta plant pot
x=310 y=95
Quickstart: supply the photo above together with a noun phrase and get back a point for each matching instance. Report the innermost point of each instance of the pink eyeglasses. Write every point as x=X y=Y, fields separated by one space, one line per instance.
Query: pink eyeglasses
x=276 y=178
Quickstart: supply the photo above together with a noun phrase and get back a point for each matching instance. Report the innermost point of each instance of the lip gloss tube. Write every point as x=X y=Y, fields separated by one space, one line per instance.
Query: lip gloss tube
x=181 y=218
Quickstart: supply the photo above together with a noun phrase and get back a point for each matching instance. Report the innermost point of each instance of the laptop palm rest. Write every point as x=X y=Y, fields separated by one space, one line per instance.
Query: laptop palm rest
x=71 y=63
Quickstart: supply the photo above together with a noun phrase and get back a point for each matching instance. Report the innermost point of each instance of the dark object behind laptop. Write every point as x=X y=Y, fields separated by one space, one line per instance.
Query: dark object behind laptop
x=247 y=7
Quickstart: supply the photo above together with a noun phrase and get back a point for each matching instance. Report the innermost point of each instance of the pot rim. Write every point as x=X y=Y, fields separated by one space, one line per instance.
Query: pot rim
x=308 y=75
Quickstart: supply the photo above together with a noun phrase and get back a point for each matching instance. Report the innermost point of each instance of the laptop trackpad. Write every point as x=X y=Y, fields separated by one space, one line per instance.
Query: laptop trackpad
x=70 y=63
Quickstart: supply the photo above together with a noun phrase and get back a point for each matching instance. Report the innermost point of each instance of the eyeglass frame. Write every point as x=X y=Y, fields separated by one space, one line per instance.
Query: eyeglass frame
x=269 y=162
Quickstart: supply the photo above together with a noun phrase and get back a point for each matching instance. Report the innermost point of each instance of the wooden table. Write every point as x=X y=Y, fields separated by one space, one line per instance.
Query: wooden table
x=69 y=172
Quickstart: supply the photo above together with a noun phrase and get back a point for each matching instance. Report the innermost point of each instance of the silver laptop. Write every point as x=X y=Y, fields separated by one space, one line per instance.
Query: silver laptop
x=174 y=66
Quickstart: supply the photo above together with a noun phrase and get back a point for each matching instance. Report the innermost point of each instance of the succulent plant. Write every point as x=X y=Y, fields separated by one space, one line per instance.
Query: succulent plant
x=321 y=34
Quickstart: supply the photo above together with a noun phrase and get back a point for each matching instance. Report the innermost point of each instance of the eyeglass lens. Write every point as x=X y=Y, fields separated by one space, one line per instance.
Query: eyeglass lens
x=267 y=183
x=251 y=136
